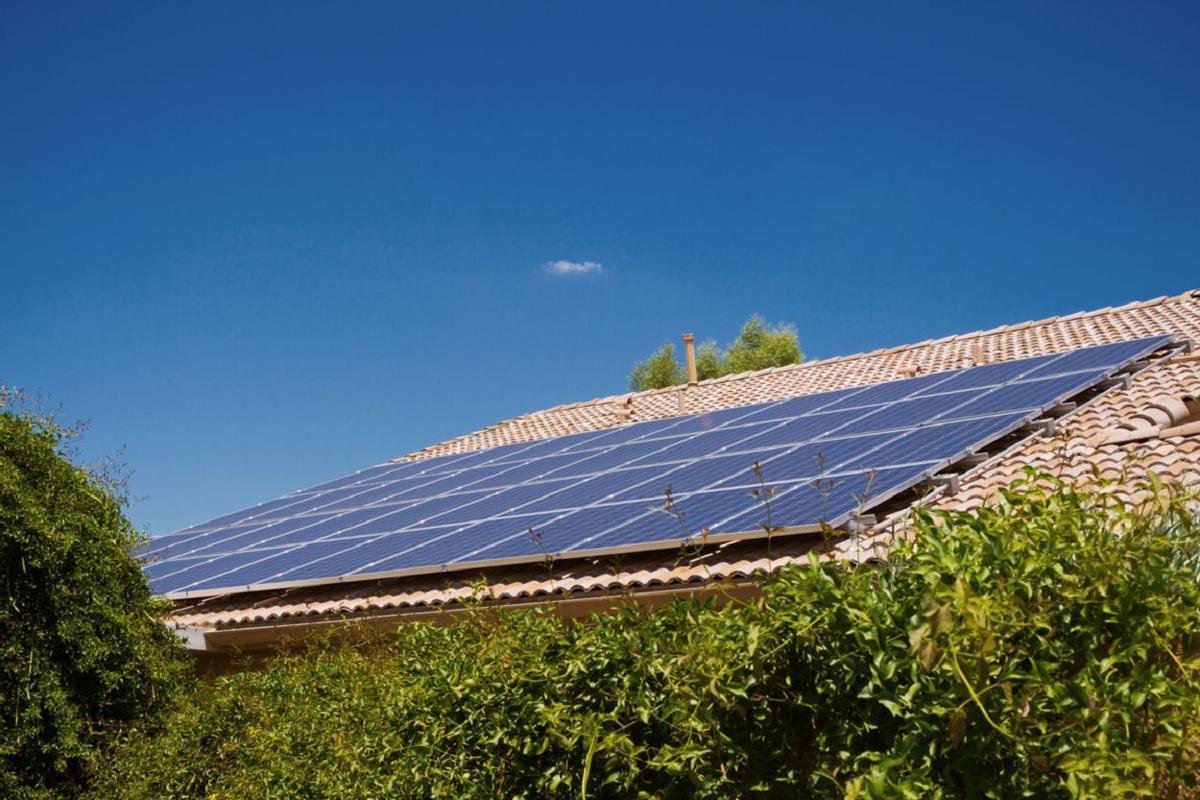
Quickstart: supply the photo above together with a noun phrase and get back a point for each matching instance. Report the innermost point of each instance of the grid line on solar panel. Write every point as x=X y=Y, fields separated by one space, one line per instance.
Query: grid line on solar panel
x=456 y=488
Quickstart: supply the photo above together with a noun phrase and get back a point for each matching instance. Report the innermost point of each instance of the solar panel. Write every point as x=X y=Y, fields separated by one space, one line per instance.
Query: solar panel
x=818 y=459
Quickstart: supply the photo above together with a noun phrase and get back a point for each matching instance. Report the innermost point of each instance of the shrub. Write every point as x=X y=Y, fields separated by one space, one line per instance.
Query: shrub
x=83 y=650
x=1045 y=646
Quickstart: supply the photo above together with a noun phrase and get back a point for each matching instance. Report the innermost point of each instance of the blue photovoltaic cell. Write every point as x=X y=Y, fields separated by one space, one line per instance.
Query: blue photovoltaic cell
x=810 y=460
x=626 y=433
x=550 y=446
x=698 y=423
x=268 y=565
x=601 y=460
x=383 y=472
x=411 y=548
x=316 y=528
x=826 y=499
x=892 y=390
x=805 y=404
x=823 y=455
x=190 y=544
x=1105 y=357
x=292 y=504
x=801 y=429
x=908 y=413
x=501 y=502
x=705 y=472
x=529 y=470
x=346 y=523
x=319 y=560
x=558 y=534
x=368 y=474
x=946 y=442
x=369 y=496
x=170 y=544
x=386 y=520
x=434 y=485
x=209 y=569
x=985 y=376
x=308 y=503
x=267 y=534
x=1029 y=394
x=697 y=445
x=370 y=551
x=446 y=466
x=160 y=569
x=688 y=517
x=740 y=511
x=442 y=547
x=630 y=484
x=238 y=516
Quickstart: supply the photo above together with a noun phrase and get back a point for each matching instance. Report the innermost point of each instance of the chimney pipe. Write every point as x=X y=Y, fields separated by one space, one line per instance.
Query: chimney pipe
x=689 y=349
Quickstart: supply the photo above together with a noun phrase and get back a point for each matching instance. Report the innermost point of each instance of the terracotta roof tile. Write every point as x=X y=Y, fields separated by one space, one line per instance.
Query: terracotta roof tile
x=1071 y=452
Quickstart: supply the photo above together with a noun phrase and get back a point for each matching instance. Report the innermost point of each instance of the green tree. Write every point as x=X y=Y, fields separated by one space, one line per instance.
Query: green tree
x=708 y=361
x=84 y=653
x=660 y=370
x=758 y=346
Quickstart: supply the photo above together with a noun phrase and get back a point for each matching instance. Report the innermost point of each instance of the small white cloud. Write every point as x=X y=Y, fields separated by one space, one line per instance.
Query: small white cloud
x=574 y=268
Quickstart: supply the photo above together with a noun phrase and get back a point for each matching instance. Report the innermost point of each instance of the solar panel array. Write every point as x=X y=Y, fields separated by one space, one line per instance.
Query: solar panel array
x=824 y=456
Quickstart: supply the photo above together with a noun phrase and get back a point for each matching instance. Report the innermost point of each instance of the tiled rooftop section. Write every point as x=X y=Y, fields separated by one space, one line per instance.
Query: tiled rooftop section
x=1075 y=452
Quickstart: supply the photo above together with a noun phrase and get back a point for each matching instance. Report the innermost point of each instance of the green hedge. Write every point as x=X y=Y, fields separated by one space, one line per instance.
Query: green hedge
x=1043 y=647
x=83 y=651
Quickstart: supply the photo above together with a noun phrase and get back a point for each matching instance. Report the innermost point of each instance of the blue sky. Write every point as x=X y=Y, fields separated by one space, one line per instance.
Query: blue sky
x=261 y=245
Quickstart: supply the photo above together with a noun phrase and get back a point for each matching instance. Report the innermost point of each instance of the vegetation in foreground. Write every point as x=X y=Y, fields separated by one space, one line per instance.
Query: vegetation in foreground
x=1046 y=646
x=84 y=655
x=757 y=346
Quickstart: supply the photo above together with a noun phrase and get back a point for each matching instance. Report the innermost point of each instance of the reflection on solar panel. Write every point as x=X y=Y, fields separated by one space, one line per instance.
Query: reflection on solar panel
x=824 y=457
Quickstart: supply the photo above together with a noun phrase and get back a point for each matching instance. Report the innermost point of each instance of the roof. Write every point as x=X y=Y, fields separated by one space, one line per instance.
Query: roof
x=1077 y=449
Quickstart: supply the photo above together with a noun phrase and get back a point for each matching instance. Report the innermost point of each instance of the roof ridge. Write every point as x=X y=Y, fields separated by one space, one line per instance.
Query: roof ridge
x=1190 y=295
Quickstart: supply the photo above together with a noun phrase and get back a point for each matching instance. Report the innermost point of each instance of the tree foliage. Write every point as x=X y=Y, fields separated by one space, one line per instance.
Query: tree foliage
x=661 y=369
x=1046 y=646
x=84 y=653
x=757 y=346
